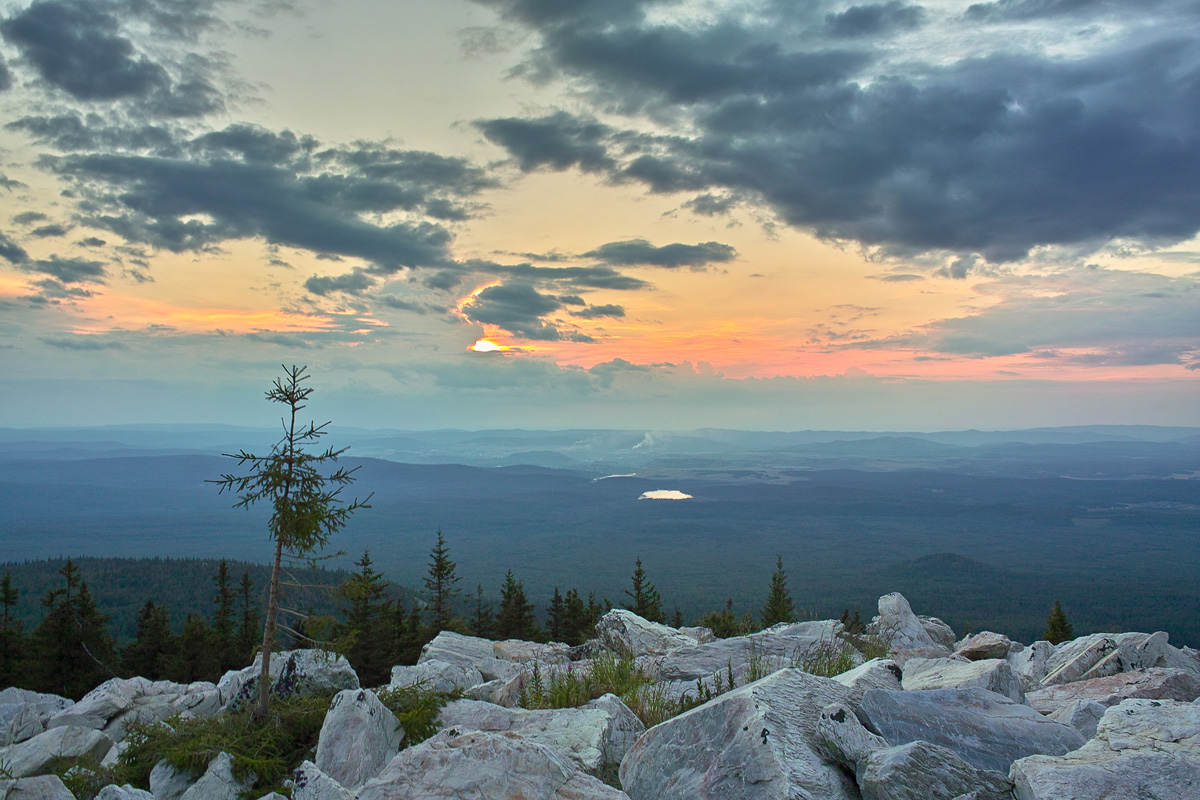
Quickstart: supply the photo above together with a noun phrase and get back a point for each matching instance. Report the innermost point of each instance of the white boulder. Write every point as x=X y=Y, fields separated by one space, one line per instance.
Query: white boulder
x=984 y=645
x=310 y=783
x=923 y=771
x=33 y=756
x=293 y=673
x=358 y=738
x=219 y=782
x=993 y=674
x=1149 y=684
x=42 y=787
x=125 y=792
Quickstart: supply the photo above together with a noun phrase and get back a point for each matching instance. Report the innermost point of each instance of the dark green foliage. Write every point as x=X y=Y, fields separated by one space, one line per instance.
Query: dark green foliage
x=852 y=624
x=223 y=631
x=677 y=617
x=581 y=619
x=12 y=638
x=778 y=607
x=1058 y=629
x=270 y=747
x=71 y=650
x=417 y=710
x=251 y=623
x=556 y=617
x=196 y=656
x=152 y=650
x=369 y=624
x=482 y=619
x=439 y=582
x=647 y=603
x=409 y=633
x=725 y=623
x=307 y=508
x=515 y=619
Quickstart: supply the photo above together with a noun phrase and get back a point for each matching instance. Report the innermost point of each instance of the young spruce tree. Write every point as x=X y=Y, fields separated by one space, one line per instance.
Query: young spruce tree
x=72 y=651
x=12 y=638
x=515 y=620
x=307 y=506
x=223 y=631
x=152 y=649
x=647 y=603
x=1057 y=628
x=250 y=629
x=440 y=585
x=369 y=623
x=778 y=607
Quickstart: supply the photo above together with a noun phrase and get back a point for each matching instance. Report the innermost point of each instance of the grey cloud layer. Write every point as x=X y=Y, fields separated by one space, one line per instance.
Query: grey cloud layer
x=806 y=107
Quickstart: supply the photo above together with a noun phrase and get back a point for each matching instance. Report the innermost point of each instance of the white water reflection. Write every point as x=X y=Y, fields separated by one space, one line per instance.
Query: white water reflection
x=664 y=494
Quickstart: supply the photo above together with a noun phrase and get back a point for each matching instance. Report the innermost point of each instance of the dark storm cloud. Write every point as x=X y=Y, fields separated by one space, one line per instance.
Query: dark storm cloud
x=517 y=308
x=6 y=79
x=593 y=277
x=871 y=20
x=28 y=217
x=68 y=270
x=75 y=132
x=77 y=46
x=355 y=282
x=49 y=231
x=639 y=252
x=11 y=251
x=596 y=312
x=994 y=154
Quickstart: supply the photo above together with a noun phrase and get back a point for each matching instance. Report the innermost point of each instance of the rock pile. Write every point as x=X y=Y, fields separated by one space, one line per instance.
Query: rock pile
x=985 y=718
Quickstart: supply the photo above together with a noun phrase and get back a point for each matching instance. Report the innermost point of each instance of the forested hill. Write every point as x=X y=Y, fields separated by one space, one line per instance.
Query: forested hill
x=121 y=586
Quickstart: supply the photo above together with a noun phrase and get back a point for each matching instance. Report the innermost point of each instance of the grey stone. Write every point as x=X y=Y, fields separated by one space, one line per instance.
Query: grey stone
x=941 y=633
x=987 y=730
x=521 y=652
x=33 y=756
x=1030 y=664
x=842 y=738
x=168 y=783
x=125 y=792
x=984 y=645
x=900 y=627
x=923 y=771
x=469 y=652
x=218 y=782
x=481 y=765
x=758 y=741
x=625 y=633
x=1103 y=654
x=878 y=673
x=596 y=736
x=993 y=674
x=358 y=738
x=293 y=673
x=24 y=713
x=310 y=783
x=1082 y=715
x=115 y=704
x=1149 y=684
x=1145 y=749
x=436 y=675
x=42 y=787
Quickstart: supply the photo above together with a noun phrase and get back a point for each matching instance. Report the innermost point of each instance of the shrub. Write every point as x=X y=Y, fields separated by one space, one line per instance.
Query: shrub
x=417 y=709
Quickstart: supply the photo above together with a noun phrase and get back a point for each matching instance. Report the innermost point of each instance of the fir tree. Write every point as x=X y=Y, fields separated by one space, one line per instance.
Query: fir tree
x=368 y=621
x=196 y=657
x=440 y=584
x=646 y=602
x=677 y=618
x=409 y=632
x=1057 y=628
x=726 y=623
x=251 y=624
x=578 y=623
x=778 y=607
x=224 y=634
x=556 y=618
x=73 y=651
x=515 y=619
x=12 y=638
x=482 y=619
x=306 y=504
x=152 y=649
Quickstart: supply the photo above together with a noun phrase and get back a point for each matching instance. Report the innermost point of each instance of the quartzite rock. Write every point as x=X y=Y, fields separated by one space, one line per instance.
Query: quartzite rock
x=43 y=787
x=1103 y=654
x=1143 y=749
x=754 y=743
x=33 y=756
x=293 y=673
x=1030 y=664
x=987 y=730
x=1082 y=715
x=313 y=784
x=125 y=792
x=469 y=652
x=24 y=713
x=218 y=782
x=1147 y=684
x=984 y=645
x=168 y=783
x=358 y=738
x=993 y=674
x=941 y=633
x=597 y=736
x=923 y=771
x=480 y=765
x=842 y=738
x=436 y=675
x=625 y=633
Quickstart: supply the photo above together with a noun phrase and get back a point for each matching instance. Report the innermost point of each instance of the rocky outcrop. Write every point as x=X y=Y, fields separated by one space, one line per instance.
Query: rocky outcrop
x=116 y=703
x=436 y=675
x=358 y=738
x=1103 y=654
x=984 y=645
x=626 y=634
x=310 y=783
x=843 y=740
x=168 y=783
x=923 y=771
x=900 y=627
x=33 y=756
x=987 y=730
x=465 y=765
x=218 y=782
x=43 y=787
x=596 y=736
x=993 y=674
x=1149 y=684
x=1142 y=748
x=1030 y=664
x=293 y=673
x=758 y=741
x=941 y=633
x=23 y=713
x=125 y=792
x=1082 y=715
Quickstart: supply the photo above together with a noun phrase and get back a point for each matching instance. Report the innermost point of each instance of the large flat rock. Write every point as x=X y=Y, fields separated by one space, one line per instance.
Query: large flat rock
x=1144 y=749
x=986 y=729
x=481 y=765
x=1149 y=684
x=923 y=771
x=1103 y=654
x=34 y=756
x=757 y=742
x=993 y=674
x=626 y=634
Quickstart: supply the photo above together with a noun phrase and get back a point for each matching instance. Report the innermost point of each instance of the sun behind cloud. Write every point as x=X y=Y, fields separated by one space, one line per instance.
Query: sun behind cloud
x=488 y=346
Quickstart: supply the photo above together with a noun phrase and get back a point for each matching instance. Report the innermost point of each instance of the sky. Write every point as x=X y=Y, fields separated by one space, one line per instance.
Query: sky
x=667 y=214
